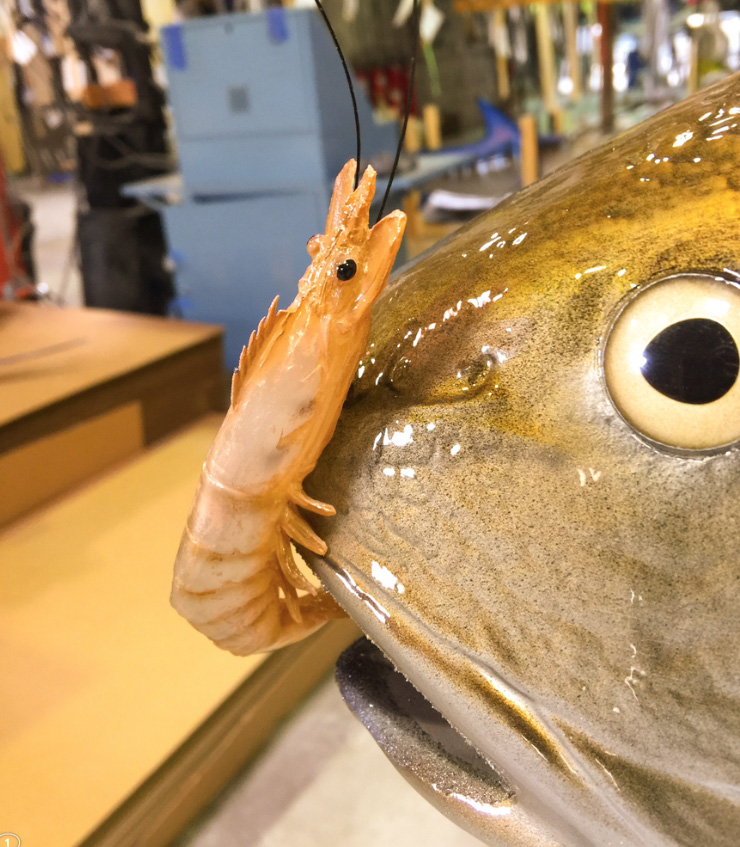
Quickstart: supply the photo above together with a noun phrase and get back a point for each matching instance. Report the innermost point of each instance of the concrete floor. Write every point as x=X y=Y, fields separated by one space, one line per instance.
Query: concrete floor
x=322 y=782
x=53 y=211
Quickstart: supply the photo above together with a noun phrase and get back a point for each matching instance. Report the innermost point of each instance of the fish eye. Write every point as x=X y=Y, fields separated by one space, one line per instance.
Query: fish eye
x=346 y=270
x=671 y=362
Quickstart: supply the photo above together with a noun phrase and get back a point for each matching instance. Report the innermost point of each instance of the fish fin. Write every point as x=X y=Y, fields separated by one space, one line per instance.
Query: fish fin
x=257 y=341
x=300 y=498
x=299 y=531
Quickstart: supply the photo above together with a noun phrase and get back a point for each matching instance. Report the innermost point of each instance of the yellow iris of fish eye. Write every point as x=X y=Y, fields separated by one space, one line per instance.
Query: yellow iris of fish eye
x=703 y=426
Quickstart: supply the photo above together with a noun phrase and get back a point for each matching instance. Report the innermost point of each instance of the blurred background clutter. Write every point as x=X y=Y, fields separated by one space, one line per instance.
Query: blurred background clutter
x=162 y=166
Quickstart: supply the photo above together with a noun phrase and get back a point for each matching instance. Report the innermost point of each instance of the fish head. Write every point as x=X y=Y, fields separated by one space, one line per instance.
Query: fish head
x=351 y=261
x=537 y=478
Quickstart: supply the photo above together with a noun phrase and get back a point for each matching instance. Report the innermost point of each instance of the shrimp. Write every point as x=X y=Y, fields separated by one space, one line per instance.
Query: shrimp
x=235 y=577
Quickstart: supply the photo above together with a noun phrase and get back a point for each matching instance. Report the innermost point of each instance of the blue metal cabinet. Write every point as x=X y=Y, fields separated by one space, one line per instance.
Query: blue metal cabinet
x=264 y=123
x=233 y=256
x=253 y=113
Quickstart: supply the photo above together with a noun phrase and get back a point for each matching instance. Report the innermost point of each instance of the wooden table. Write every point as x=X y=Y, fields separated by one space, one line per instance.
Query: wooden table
x=81 y=389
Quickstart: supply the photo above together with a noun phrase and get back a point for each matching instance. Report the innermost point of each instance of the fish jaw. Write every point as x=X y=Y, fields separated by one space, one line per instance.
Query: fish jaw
x=563 y=592
x=528 y=764
x=438 y=762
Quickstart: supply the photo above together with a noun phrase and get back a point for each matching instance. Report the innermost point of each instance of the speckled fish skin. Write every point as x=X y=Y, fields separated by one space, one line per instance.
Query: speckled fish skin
x=565 y=593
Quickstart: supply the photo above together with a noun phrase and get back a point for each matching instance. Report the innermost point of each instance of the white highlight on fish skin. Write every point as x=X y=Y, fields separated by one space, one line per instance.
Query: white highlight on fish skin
x=380 y=613
x=594 y=269
x=519 y=239
x=481 y=299
x=622 y=272
x=408 y=473
x=389 y=471
x=431 y=426
x=682 y=138
x=455 y=450
x=483 y=808
x=385 y=577
x=594 y=474
x=608 y=773
x=401 y=438
x=494 y=238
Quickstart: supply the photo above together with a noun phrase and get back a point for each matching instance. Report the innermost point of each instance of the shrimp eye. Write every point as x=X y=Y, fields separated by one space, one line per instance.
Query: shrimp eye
x=671 y=362
x=347 y=270
x=313 y=245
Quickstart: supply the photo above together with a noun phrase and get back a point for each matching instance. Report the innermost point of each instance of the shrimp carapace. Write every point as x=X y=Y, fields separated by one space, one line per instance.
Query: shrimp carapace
x=235 y=576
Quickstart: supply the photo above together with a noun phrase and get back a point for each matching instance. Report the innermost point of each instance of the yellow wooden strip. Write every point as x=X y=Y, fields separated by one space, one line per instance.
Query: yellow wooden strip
x=101 y=679
x=36 y=472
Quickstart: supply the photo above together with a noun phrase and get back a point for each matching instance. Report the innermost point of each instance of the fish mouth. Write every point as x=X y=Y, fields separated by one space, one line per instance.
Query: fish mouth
x=431 y=755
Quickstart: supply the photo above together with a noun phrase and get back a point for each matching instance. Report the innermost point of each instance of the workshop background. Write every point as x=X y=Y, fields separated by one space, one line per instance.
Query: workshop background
x=162 y=168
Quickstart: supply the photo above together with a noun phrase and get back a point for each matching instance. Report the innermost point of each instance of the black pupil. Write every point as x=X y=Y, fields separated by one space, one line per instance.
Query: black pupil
x=694 y=361
x=346 y=270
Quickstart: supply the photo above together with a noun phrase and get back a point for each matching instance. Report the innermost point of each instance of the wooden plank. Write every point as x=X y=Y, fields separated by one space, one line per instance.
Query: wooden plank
x=529 y=154
x=37 y=471
x=168 y=800
x=467 y=6
x=546 y=57
x=503 y=83
x=93 y=360
x=50 y=354
x=570 y=25
x=605 y=15
x=102 y=679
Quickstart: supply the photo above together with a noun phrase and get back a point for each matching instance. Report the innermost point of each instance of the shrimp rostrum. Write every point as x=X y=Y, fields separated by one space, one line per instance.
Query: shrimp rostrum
x=236 y=579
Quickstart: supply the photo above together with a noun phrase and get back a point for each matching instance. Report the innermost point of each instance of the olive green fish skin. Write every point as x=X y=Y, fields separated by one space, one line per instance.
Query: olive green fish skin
x=564 y=592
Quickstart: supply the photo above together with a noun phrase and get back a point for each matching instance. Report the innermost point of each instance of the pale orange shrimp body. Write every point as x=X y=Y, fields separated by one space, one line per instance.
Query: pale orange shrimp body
x=235 y=577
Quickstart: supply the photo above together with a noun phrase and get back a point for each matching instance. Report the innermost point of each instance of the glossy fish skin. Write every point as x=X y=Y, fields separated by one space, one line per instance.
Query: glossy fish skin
x=563 y=591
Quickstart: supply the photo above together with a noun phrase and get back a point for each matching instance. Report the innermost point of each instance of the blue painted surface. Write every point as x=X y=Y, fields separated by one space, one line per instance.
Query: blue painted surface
x=174 y=47
x=254 y=111
x=277 y=24
x=232 y=257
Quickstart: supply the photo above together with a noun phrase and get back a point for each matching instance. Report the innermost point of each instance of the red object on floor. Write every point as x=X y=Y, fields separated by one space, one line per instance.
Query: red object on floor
x=12 y=270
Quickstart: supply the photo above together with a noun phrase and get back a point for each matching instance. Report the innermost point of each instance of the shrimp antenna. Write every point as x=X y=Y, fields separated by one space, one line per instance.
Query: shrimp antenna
x=349 y=83
x=409 y=92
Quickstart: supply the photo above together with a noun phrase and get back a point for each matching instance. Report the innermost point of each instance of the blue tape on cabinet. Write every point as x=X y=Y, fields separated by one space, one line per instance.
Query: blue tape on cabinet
x=277 y=24
x=174 y=47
